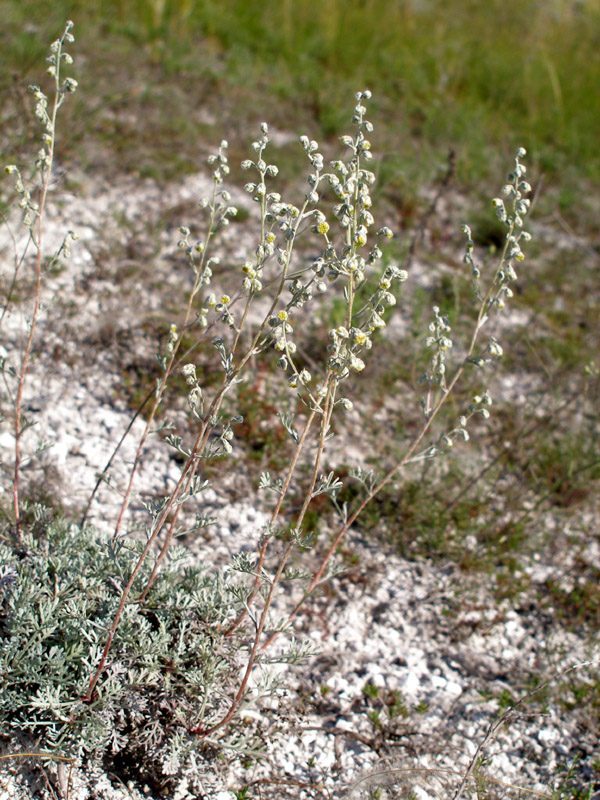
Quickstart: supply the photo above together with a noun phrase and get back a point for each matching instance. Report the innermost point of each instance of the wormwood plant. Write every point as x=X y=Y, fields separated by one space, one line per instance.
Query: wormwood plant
x=33 y=220
x=113 y=645
x=57 y=593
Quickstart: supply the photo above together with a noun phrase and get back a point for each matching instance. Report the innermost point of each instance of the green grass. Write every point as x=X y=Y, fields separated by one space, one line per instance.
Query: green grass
x=482 y=78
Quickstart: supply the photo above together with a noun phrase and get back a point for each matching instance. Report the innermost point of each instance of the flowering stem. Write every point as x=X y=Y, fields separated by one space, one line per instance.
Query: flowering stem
x=391 y=474
x=168 y=369
x=46 y=175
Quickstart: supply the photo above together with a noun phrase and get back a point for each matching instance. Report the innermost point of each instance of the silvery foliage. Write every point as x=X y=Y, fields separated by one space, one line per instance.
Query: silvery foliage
x=57 y=593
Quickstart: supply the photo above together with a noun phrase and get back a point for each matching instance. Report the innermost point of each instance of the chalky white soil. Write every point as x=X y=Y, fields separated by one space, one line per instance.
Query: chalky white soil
x=407 y=626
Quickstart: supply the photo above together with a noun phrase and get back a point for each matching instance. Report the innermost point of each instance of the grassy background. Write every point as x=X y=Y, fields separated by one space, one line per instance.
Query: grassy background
x=482 y=78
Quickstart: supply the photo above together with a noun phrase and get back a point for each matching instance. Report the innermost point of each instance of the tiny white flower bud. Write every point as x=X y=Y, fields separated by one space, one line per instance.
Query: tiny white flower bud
x=495 y=349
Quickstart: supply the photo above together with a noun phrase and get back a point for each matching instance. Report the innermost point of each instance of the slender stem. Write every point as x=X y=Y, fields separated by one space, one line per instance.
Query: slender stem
x=19 y=260
x=89 y=696
x=46 y=175
x=189 y=469
x=202 y=438
x=328 y=405
x=318 y=575
x=168 y=369
x=350 y=521
x=274 y=515
x=190 y=464
x=119 y=444
x=253 y=653
x=108 y=464
x=325 y=421
x=276 y=511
